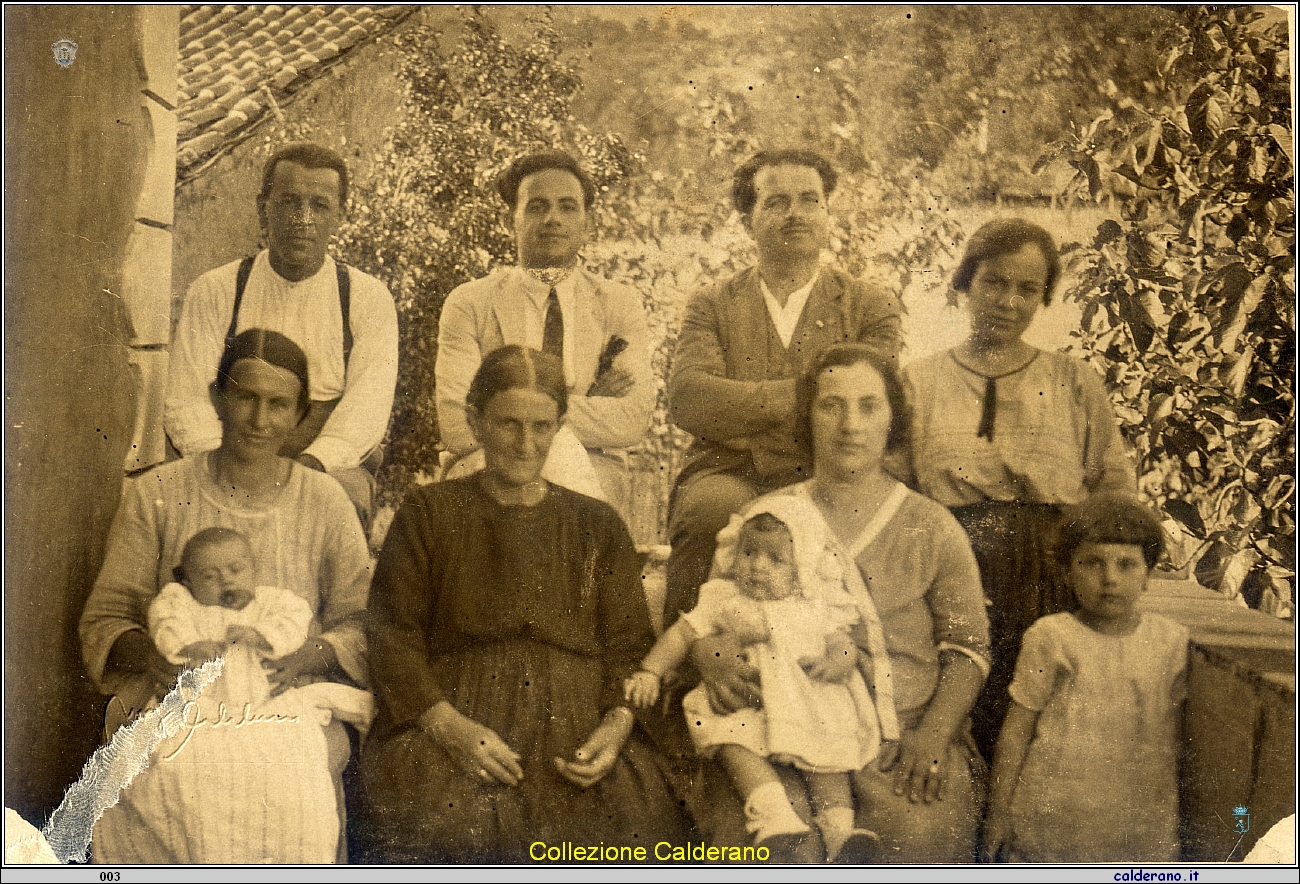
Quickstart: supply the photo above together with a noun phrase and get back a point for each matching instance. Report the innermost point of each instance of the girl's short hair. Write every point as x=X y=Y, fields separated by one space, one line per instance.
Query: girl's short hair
x=272 y=348
x=836 y=356
x=1006 y=236
x=513 y=367
x=1110 y=518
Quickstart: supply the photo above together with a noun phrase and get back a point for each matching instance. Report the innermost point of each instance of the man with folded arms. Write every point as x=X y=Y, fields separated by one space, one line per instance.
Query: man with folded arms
x=595 y=328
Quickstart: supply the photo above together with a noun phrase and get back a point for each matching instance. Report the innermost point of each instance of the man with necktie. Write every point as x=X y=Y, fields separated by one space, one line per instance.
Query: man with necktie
x=546 y=301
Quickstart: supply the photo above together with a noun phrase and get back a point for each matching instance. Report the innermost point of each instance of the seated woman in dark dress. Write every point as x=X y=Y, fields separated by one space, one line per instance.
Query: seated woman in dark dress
x=504 y=615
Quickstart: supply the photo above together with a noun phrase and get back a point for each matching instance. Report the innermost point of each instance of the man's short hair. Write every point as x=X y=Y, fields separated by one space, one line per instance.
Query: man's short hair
x=745 y=196
x=310 y=156
x=508 y=183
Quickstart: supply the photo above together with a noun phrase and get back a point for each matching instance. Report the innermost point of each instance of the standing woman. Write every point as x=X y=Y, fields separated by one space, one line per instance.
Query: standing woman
x=1005 y=434
x=505 y=614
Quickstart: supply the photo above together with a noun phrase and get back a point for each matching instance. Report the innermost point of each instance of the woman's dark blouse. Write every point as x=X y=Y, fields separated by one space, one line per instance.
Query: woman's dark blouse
x=460 y=570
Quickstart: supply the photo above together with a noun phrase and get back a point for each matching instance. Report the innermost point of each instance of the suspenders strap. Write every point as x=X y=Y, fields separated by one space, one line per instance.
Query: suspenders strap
x=241 y=282
x=345 y=308
x=345 y=304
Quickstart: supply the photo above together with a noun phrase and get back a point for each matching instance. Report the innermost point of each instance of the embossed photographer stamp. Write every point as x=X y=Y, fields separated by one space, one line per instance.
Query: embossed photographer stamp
x=65 y=52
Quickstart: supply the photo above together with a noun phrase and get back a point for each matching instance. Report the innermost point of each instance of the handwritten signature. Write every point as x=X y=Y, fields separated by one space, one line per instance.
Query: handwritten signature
x=192 y=718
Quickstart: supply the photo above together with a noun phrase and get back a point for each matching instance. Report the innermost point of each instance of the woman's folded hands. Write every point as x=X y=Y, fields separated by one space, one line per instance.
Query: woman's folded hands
x=596 y=757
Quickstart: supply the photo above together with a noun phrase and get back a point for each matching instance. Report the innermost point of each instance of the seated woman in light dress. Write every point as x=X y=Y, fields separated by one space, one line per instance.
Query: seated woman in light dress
x=259 y=803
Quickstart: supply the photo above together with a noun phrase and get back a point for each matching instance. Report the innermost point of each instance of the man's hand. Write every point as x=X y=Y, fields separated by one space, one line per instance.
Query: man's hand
x=315 y=658
x=615 y=382
x=310 y=462
x=732 y=683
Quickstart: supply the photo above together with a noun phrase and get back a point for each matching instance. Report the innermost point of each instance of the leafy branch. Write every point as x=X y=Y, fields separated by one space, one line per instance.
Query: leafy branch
x=1189 y=304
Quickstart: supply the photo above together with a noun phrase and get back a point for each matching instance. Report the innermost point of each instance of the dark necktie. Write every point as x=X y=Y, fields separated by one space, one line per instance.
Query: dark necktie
x=553 y=327
x=988 y=414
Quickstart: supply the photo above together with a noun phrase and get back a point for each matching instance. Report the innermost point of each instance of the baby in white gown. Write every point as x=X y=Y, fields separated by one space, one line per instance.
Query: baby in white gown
x=785 y=601
x=247 y=779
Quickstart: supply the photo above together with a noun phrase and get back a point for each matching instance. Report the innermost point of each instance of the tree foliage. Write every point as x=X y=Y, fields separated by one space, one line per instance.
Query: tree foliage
x=1189 y=304
x=429 y=219
x=971 y=93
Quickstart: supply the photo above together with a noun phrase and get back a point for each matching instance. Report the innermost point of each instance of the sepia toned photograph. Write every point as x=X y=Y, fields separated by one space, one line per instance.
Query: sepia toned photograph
x=622 y=437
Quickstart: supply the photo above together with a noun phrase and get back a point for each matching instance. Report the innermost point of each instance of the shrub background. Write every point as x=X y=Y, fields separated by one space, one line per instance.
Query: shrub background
x=1154 y=143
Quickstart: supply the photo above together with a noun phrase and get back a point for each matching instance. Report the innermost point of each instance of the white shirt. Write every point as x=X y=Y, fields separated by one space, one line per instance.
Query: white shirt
x=786 y=318
x=308 y=313
x=508 y=306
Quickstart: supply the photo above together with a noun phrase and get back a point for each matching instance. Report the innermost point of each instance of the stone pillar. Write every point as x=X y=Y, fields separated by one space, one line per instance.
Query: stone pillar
x=77 y=142
x=147 y=275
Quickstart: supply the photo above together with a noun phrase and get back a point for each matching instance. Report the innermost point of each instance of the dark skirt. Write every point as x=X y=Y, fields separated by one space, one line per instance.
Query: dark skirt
x=420 y=807
x=1013 y=543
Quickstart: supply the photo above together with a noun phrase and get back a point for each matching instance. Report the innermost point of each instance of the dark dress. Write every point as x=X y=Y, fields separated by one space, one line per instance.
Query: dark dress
x=527 y=620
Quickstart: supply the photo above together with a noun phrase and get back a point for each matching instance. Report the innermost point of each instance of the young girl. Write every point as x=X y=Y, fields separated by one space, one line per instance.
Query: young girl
x=1086 y=766
x=787 y=604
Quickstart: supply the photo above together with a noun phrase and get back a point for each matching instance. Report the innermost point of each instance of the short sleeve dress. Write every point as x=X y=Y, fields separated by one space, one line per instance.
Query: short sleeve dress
x=1005 y=467
x=1099 y=782
x=526 y=619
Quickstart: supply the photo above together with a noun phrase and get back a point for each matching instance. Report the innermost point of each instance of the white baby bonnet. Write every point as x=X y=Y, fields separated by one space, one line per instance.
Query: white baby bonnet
x=821 y=565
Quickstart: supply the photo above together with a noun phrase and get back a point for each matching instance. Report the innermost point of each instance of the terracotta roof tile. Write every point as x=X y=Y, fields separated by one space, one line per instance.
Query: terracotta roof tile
x=230 y=54
x=194 y=16
x=204 y=116
x=284 y=76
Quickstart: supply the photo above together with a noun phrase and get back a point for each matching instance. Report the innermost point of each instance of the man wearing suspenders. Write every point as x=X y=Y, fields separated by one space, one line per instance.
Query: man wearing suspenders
x=342 y=318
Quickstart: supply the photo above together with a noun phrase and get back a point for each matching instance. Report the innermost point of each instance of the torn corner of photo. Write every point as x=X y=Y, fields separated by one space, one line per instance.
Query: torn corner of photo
x=66 y=837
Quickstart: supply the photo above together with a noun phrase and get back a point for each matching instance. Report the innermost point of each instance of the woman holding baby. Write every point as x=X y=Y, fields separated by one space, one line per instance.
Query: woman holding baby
x=919 y=796
x=278 y=591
